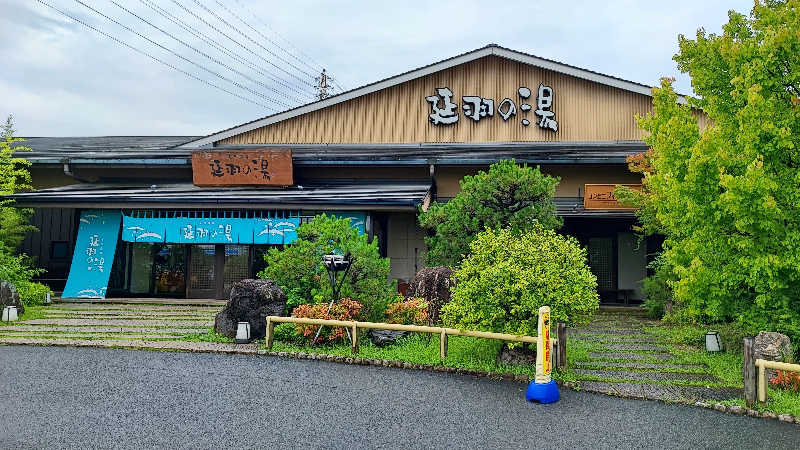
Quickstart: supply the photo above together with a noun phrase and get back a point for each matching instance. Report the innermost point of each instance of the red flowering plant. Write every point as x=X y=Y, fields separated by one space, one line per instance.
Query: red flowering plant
x=411 y=311
x=786 y=380
x=345 y=309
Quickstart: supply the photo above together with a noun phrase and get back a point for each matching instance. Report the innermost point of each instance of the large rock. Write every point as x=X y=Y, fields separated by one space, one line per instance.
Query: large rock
x=382 y=338
x=772 y=347
x=522 y=355
x=10 y=297
x=251 y=301
x=433 y=284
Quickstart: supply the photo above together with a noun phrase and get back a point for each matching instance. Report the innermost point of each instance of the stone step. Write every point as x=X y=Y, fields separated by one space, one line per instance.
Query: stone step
x=609 y=331
x=130 y=313
x=646 y=376
x=638 y=365
x=68 y=329
x=630 y=356
x=662 y=392
x=638 y=347
x=102 y=307
x=613 y=339
x=120 y=323
x=214 y=347
x=91 y=335
x=116 y=317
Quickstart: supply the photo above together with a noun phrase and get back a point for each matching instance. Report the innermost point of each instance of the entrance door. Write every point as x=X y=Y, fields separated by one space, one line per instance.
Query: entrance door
x=601 y=262
x=202 y=271
x=237 y=266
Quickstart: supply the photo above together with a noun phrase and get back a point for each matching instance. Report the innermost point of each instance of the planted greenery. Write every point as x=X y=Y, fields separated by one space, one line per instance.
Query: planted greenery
x=507 y=277
x=726 y=196
x=507 y=196
x=298 y=268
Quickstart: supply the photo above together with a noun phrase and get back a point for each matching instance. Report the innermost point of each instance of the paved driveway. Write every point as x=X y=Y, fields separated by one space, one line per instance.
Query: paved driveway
x=100 y=398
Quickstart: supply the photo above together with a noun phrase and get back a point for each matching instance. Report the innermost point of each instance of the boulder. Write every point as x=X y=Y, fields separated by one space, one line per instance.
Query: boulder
x=10 y=297
x=251 y=301
x=772 y=347
x=382 y=338
x=522 y=355
x=433 y=284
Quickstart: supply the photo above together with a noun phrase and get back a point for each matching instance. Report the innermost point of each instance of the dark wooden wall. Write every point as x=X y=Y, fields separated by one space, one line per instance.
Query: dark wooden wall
x=55 y=225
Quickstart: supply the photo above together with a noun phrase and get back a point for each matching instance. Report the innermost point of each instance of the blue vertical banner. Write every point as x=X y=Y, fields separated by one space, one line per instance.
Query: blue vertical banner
x=94 y=254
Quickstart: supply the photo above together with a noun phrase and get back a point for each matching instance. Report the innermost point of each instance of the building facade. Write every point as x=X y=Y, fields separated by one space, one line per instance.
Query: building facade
x=187 y=217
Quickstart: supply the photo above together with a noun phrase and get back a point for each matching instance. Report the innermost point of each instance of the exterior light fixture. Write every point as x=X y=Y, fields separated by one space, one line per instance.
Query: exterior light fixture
x=335 y=263
x=10 y=314
x=713 y=343
x=243 y=333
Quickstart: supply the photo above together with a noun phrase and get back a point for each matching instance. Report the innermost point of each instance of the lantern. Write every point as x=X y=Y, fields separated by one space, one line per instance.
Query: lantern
x=713 y=343
x=242 y=333
x=10 y=314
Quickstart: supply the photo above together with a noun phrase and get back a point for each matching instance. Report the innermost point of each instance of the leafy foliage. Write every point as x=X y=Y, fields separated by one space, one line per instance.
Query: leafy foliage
x=507 y=277
x=345 y=309
x=299 y=271
x=410 y=311
x=14 y=177
x=786 y=380
x=727 y=198
x=507 y=196
x=656 y=290
x=18 y=270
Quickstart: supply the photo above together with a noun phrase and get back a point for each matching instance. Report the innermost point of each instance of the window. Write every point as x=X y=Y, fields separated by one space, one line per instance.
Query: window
x=59 y=250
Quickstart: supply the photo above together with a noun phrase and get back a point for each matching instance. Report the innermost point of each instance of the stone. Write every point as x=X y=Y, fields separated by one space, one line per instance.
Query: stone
x=772 y=346
x=719 y=407
x=434 y=285
x=382 y=338
x=10 y=297
x=521 y=355
x=251 y=301
x=736 y=409
x=769 y=415
x=786 y=418
x=753 y=413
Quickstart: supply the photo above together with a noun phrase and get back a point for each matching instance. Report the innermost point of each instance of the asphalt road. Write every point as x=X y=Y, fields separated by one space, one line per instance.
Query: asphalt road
x=102 y=398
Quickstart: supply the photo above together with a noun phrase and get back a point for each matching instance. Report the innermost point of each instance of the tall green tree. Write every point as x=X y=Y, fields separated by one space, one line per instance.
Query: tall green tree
x=14 y=177
x=507 y=196
x=727 y=197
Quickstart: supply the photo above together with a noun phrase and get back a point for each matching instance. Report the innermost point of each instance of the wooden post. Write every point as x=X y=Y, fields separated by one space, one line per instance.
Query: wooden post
x=762 y=384
x=749 y=372
x=354 y=337
x=270 y=332
x=561 y=333
x=443 y=344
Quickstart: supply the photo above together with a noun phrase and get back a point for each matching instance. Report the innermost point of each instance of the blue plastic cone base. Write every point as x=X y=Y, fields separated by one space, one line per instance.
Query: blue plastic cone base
x=542 y=393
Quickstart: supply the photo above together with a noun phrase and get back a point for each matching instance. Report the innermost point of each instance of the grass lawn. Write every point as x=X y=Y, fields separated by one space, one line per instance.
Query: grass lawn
x=31 y=312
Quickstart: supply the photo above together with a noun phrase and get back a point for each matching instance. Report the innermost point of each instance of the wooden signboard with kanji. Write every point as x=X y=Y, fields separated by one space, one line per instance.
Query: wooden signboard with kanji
x=263 y=167
x=601 y=196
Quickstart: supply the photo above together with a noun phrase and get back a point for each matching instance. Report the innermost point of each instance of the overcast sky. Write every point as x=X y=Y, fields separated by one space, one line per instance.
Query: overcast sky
x=59 y=78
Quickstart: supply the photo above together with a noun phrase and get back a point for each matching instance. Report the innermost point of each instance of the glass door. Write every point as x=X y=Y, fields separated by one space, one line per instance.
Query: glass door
x=202 y=271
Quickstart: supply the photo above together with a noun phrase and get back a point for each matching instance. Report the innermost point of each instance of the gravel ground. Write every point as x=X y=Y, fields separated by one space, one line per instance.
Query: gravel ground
x=103 y=398
x=142 y=343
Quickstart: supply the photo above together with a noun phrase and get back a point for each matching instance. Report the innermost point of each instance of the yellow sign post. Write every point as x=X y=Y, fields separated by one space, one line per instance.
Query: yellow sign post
x=543 y=389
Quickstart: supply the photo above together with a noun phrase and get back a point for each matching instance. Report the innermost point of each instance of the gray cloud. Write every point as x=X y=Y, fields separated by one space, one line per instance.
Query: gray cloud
x=61 y=79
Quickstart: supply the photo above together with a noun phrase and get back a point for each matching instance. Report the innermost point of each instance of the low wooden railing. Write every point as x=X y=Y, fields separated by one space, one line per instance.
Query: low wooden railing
x=559 y=342
x=749 y=373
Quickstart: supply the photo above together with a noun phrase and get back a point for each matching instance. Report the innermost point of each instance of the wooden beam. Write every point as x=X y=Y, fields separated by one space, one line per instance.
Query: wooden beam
x=749 y=372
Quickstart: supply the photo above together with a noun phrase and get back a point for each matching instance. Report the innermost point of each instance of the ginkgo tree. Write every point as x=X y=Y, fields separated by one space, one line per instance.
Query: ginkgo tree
x=727 y=196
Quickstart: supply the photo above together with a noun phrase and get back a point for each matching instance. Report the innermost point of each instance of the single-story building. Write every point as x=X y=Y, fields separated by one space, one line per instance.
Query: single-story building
x=186 y=217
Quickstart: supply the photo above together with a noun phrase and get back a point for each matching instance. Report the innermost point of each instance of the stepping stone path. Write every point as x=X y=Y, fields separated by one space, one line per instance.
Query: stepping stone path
x=625 y=360
x=118 y=325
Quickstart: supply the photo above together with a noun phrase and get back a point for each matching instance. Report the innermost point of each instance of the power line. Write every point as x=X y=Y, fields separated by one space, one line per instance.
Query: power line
x=265 y=37
x=253 y=41
x=221 y=48
x=205 y=54
x=319 y=67
x=222 y=77
x=226 y=35
x=141 y=52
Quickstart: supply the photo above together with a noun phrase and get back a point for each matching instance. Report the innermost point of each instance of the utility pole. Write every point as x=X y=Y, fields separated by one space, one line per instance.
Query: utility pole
x=323 y=85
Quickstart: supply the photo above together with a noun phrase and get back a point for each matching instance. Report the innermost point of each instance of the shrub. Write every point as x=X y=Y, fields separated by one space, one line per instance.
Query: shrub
x=285 y=332
x=411 y=311
x=656 y=290
x=508 y=276
x=786 y=380
x=345 y=309
x=507 y=196
x=18 y=270
x=298 y=268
